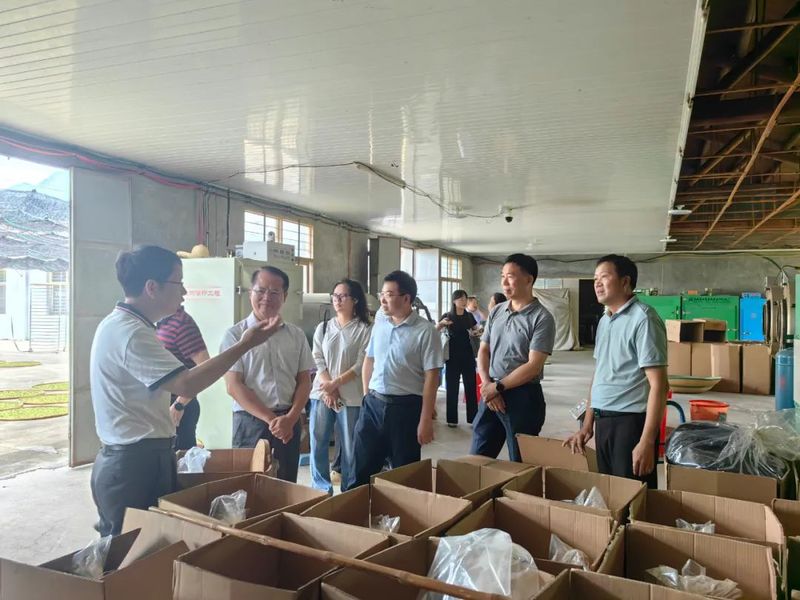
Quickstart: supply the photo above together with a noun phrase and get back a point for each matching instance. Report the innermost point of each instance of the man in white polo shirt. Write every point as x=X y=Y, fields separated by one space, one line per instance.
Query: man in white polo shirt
x=270 y=385
x=132 y=376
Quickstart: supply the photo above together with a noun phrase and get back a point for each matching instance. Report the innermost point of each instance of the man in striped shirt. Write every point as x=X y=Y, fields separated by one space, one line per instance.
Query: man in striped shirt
x=180 y=335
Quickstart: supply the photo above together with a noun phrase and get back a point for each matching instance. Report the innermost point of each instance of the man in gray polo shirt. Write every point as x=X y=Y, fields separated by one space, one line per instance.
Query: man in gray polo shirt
x=629 y=387
x=518 y=336
x=270 y=385
x=401 y=376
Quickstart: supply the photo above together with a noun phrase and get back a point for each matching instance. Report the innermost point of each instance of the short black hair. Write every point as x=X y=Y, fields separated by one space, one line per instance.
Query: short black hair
x=405 y=283
x=524 y=262
x=272 y=271
x=144 y=263
x=499 y=297
x=624 y=266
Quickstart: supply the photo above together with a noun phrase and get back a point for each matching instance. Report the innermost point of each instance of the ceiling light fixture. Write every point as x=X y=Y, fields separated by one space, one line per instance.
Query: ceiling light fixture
x=668 y=240
x=679 y=211
x=383 y=175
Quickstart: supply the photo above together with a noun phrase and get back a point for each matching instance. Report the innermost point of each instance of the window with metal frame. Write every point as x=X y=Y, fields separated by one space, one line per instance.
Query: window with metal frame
x=450 y=278
x=2 y=291
x=258 y=226
x=57 y=293
x=407 y=260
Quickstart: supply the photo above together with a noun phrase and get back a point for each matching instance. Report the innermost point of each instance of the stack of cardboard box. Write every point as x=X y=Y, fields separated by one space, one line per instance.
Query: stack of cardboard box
x=698 y=348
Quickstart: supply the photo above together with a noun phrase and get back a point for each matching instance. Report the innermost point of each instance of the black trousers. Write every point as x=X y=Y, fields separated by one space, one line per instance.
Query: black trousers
x=247 y=430
x=186 y=434
x=616 y=435
x=461 y=367
x=134 y=476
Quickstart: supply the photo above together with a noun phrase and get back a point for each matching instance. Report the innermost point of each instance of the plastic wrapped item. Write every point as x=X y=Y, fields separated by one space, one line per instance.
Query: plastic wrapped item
x=229 y=508
x=592 y=498
x=194 y=461
x=485 y=560
x=693 y=578
x=579 y=410
x=759 y=449
x=707 y=527
x=385 y=523
x=564 y=553
x=90 y=561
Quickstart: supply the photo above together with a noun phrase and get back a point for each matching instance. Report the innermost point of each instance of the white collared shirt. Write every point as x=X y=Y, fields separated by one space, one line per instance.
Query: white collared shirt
x=127 y=367
x=270 y=369
x=338 y=350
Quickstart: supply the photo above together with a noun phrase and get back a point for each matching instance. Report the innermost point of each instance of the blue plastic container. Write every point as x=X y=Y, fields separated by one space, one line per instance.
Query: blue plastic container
x=784 y=379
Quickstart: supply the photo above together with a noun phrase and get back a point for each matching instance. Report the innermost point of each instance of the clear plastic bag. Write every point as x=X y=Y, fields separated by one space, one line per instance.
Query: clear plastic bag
x=564 y=553
x=229 y=508
x=485 y=560
x=194 y=461
x=578 y=411
x=693 y=578
x=385 y=523
x=707 y=527
x=90 y=561
x=592 y=498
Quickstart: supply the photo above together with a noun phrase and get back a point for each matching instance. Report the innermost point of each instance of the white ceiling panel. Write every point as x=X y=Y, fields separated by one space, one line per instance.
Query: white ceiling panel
x=572 y=109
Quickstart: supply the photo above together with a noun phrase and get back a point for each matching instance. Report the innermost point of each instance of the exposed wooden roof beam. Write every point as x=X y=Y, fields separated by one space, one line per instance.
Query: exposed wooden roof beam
x=786 y=204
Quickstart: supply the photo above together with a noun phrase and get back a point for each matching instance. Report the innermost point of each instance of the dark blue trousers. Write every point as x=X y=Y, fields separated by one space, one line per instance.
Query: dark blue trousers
x=525 y=412
x=386 y=428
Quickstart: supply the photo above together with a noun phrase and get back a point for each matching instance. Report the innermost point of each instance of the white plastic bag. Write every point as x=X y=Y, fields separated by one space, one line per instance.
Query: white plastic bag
x=564 y=553
x=385 y=523
x=194 y=461
x=707 y=527
x=485 y=560
x=592 y=498
x=229 y=508
x=693 y=578
x=90 y=561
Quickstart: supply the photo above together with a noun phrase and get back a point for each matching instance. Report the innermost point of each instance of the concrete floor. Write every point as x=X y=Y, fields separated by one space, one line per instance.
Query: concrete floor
x=49 y=512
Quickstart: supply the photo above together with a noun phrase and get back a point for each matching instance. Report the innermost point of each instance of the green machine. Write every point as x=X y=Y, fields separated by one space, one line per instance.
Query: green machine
x=667 y=307
x=722 y=308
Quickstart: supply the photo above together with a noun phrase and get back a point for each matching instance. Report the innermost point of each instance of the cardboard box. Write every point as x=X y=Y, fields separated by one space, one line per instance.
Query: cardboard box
x=714 y=330
x=749 y=565
x=149 y=577
x=788 y=513
x=750 y=521
x=549 y=452
x=730 y=485
x=580 y=585
x=508 y=466
x=701 y=360
x=415 y=556
x=530 y=525
x=757 y=371
x=472 y=482
x=726 y=362
x=422 y=514
x=265 y=497
x=564 y=484
x=679 y=358
x=236 y=569
x=229 y=462
x=684 y=331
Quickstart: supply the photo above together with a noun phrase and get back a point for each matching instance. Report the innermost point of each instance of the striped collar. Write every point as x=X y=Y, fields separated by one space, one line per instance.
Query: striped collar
x=127 y=308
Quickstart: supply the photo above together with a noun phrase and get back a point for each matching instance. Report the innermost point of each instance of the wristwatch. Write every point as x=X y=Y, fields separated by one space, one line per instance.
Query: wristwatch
x=179 y=406
x=499 y=385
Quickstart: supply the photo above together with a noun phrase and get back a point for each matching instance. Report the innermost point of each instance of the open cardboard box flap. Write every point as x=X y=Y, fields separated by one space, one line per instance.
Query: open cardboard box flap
x=149 y=577
x=580 y=585
x=731 y=517
x=549 y=452
x=237 y=569
x=731 y=485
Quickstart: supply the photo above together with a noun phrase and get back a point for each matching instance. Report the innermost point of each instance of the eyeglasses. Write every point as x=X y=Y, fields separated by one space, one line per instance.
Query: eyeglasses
x=340 y=297
x=268 y=292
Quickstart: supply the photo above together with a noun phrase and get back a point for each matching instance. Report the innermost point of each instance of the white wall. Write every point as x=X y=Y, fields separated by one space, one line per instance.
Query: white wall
x=16 y=314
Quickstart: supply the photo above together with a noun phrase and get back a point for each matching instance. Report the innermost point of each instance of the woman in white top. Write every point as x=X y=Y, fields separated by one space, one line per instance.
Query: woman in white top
x=339 y=347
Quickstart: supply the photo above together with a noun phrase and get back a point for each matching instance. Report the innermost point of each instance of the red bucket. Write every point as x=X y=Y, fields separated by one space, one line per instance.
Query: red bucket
x=707 y=410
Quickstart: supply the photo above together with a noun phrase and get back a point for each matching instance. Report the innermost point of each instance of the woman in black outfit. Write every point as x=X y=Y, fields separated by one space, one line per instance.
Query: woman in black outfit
x=460 y=364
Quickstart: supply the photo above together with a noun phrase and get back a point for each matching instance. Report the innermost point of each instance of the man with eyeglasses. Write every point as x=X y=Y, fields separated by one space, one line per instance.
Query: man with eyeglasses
x=401 y=377
x=270 y=385
x=132 y=376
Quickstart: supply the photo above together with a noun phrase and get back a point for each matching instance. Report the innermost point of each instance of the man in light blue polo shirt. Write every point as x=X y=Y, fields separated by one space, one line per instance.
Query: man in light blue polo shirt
x=401 y=376
x=629 y=388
